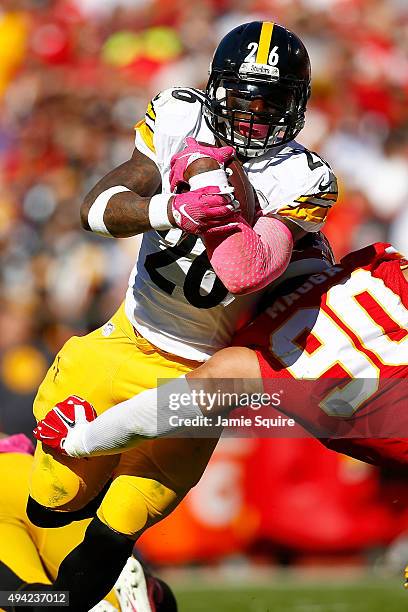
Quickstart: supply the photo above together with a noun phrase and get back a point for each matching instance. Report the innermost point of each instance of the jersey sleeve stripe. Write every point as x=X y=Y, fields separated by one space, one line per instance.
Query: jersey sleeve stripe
x=327 y=196
x=311 y=214
x=150 y=117
x=312 y=201
x=151 y=113
x=146 y=134
x=150 y=109
x=149 y=124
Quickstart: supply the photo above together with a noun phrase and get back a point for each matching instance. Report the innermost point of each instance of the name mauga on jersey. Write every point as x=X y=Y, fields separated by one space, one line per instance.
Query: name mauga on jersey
x=335 y=349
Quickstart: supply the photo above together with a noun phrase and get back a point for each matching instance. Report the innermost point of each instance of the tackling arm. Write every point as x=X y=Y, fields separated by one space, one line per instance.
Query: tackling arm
x=149 y=414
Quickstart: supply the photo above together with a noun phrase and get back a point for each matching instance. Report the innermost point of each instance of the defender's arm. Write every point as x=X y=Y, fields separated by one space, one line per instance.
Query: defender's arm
x=151 y=413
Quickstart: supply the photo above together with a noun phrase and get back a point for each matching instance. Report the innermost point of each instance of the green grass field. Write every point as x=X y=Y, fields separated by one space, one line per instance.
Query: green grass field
x=375 y=596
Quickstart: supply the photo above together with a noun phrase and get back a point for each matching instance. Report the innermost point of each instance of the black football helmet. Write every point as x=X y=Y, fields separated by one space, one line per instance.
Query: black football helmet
x=258 y=88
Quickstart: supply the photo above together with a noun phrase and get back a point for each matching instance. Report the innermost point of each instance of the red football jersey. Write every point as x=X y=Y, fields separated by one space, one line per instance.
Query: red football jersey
x=338 y=343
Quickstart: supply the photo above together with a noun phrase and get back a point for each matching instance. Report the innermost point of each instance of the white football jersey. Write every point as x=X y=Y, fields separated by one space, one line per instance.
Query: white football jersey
x=174 y=298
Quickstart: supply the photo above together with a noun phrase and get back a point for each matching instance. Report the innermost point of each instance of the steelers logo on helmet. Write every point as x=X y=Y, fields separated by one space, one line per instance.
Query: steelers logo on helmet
x=258 y=88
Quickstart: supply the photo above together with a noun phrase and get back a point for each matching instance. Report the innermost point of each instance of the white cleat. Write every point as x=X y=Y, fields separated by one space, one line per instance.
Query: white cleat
x=131 y=589
x=103 y=606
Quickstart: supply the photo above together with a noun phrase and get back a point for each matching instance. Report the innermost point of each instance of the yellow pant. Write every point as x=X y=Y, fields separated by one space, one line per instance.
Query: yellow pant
x=106 y=367
x=32 y=553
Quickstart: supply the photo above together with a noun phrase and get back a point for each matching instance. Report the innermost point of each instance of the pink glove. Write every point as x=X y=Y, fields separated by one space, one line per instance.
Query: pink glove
x=62 y=420
x=180 y=161
x=197 y=211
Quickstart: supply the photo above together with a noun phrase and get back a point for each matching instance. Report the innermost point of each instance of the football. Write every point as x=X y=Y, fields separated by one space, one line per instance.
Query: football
x=237 y=178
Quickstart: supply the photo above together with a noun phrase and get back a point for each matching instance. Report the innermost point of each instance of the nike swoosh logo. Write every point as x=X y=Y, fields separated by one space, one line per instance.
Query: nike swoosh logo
x=331 y=184
x=64 y=418
x=183 y=212
x=324 y=187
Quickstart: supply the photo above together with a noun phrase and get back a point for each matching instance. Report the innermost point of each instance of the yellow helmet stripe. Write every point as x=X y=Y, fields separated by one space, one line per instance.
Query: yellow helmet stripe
x=264 y=42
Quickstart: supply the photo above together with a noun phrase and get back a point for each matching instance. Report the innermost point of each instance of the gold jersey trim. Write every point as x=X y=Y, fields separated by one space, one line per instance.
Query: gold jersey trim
x=305 y=212
x=146 y=133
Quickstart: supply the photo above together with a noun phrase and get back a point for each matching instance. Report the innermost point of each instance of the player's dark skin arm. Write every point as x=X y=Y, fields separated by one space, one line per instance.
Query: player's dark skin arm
x=126 y=213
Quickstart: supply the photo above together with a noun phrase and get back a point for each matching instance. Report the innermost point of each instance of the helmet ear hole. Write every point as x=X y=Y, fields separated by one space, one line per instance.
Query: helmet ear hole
x=283 y=78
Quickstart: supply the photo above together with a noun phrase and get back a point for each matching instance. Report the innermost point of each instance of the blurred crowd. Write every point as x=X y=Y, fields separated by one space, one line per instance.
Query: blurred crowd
x=75 y=76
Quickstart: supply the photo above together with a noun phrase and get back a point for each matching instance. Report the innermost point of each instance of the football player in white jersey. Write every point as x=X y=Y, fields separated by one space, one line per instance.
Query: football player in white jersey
x=180 y=309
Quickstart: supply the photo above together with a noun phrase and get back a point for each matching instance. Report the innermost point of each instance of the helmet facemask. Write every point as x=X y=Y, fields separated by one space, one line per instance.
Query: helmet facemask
x=231 y=113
